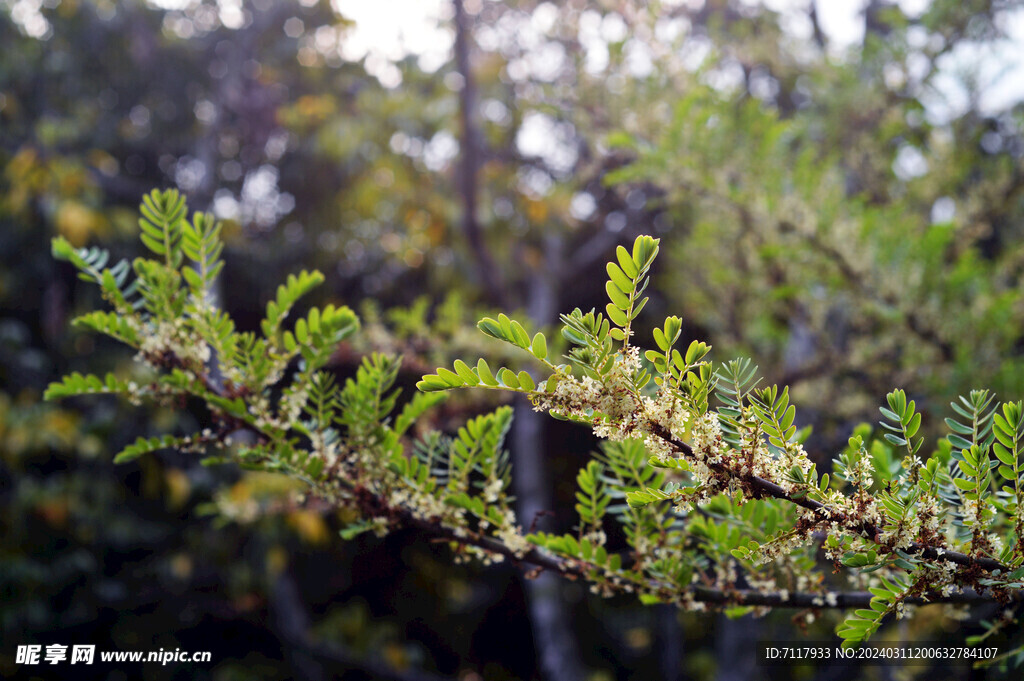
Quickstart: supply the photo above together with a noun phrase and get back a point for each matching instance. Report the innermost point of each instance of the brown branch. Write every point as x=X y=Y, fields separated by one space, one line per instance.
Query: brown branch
x=762 y=488
x=575 y=569
x=375 y=505
x=819 y=34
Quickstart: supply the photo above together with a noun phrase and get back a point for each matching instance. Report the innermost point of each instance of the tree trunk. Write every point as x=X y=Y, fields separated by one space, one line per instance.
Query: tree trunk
x=557 y=651
x=470 y=162
x=669 y=639
x=735 y=649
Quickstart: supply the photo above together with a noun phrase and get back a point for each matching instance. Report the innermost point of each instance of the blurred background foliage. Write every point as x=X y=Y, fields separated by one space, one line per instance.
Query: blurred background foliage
x=840 y=202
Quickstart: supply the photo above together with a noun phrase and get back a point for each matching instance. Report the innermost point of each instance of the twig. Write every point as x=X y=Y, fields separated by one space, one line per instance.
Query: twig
x=766 y=488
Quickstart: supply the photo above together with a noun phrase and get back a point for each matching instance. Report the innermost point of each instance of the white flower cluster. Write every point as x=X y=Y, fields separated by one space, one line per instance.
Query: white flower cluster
x=667 y=411
x=511 y=535
x=596 y=537
x=611 y=405
x=492 y=491
x=971 y=511
x=902 y=534
x=328 y=453
x=173 y=337
x=242 y=509
x=424 y=506
x=828 y=599
x=289 y=408
x=863 y=472
x=779 y=548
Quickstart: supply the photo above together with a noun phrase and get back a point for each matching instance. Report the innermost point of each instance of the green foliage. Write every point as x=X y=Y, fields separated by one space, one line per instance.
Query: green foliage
x=592 y=497
x=163 y=215
x=777 y=415
x=323 y=402
x=78 y=384
x=734 y=381
x=288 y=294
x=504 y=329
x=770 y=203
x=146 y=446
x=627 y=282
x=976 y=428
x=201 y=243
x=477 y=449
x=347 y=442
x=780 y=213
x=1008 y=431
x=636 y=488
x=905 y=422
x=740 y=498
x=181 y=337
x=91 y=264
x=367 y=400
x=591 y=335
x=687 y=374
x=746 y=457
x=480 y=375
x=584 y=550
x=316 y=336
x=864 y=622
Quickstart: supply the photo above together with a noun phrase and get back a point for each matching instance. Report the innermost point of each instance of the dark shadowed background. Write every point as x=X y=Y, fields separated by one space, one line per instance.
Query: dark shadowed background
x=838 y=190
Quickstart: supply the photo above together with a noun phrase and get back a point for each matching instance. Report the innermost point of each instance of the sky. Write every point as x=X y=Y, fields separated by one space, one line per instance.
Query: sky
x=387 y=30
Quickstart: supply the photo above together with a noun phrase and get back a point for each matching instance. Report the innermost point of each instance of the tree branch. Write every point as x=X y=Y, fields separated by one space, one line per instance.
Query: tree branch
x=576 y=569
x=765 y=488
x=375 y=505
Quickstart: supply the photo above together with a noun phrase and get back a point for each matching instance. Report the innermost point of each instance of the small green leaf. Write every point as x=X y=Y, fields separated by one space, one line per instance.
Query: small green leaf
x=965 y=485
x=626 y=262
x=696 y=352
x=616 y=315
x=637 y=308
x=539 y=347
x=486 y=377
x=143 y=446
x=660 y=339
x=491 y=328
x=787 y=419
x=432 y=383
x=618 y=298
x=450 y=377
x=352 y=531
x=465 y=373
x=1003 y=454
x=522 y=339
x=508 y=378
x=526 y=381
x=913 y=424
x=616 y=274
